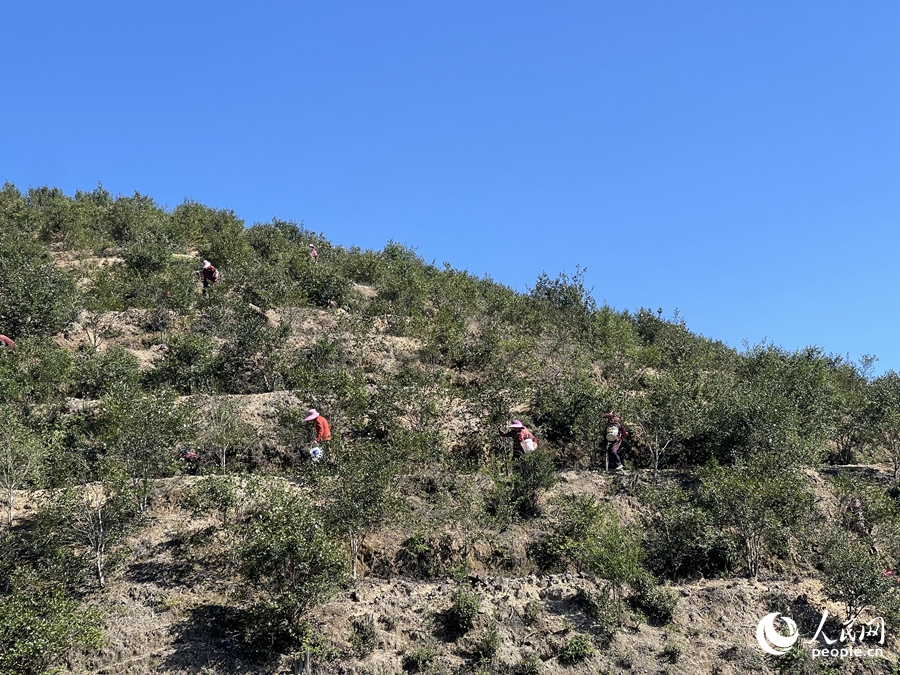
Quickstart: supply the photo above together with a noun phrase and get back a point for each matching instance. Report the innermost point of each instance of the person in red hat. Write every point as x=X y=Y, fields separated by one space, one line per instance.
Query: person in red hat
x=7 y=343
x=526 y=440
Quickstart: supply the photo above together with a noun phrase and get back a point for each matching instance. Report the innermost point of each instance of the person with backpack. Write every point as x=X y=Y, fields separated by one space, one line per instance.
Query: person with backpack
x=615 y=432
x=323 y=433
x=313 y=253
x=7 y=343
x=523 y=437
x=208 y=275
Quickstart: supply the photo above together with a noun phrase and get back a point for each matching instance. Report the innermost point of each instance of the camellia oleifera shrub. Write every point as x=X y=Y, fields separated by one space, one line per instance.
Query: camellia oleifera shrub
x=36 y=297
x=284 y=552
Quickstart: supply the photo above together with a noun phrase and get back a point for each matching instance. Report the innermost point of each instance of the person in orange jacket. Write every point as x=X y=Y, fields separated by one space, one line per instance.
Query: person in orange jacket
x=7 y=343
x=526 y=440
x=323 y=432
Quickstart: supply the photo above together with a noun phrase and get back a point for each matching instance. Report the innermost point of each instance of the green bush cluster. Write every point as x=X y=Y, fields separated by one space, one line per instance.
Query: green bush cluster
x=578 y=648
x=364 y=637
x=39 y=625
x=463 y=612
x=418 y=659
x=656 y=601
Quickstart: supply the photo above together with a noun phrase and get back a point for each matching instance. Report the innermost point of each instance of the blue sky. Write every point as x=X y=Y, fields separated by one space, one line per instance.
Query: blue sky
x=738 y=161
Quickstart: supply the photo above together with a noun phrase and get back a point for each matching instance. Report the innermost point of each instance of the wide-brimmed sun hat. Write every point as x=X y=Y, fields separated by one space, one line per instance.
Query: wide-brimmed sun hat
x=516 y=424
x=206 y=264
x=311 y=415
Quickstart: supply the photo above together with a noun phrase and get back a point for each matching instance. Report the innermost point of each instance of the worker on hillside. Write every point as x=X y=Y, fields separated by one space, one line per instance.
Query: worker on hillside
x=7 y=343
x=313 y=253
x=323 y=433
x=853 y=516
x=615 y=432
x=208 y=274
x=525 y=439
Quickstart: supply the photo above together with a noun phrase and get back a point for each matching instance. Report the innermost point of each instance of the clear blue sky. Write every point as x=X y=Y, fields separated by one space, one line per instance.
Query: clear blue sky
x=739 y=161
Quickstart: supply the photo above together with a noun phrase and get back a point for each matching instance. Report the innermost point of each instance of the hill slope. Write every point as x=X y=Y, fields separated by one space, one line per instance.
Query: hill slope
x=165 y=515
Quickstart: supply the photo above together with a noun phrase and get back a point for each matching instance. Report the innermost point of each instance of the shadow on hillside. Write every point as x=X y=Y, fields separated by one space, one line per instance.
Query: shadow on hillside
x=166 y=566
x=855 y=470
x=207 y=641
x=167 y=574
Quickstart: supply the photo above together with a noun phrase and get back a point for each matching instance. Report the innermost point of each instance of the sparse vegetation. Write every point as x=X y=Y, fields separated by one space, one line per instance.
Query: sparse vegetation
x=489 y=642
x=419 y=658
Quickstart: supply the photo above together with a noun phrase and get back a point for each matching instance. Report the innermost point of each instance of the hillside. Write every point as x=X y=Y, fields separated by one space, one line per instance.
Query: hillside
x=164 y=514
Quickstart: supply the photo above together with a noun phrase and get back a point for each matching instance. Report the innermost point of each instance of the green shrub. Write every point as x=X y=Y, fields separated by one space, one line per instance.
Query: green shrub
x=419 y=658
x=189 y=365
x=419 y=558
x=680 y=537
x=357 y=265
x=760 y=508
x=252 y=360
x=463 y=612
x=574 y=520
x=39 y=625
x=36 y=297
x=214 y=494
x=671 y=652
x=168 y=287
x=36 y=372
x=362 y=497
x=488 y=644
x=852 y=573
x=530 y=665
x=324 y=285
x=132 y=217
x=657 y=602
x=517 y=495
x=364 y=638
x=578 y=648
x=51 y=214
x=612 y=553
x=532 y=611
x=264 y=285
x=284 y=551
x=150 y=251
x=602 y=611
x=533 y=473
x=403 y=284
x=571 y=410
x=219 y=235
x=98 y=372
x=142 y=433
x=22 y=456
